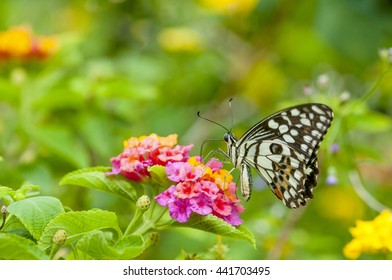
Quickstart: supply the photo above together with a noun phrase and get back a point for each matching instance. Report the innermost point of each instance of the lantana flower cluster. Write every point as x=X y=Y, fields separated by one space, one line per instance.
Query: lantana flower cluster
x=371 y=237
x=21 y=42
x=202 y=189
x=196 y=188
x=142 y=152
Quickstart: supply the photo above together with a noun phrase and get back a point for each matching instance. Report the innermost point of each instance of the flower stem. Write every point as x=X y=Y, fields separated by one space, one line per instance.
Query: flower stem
x=54 y=250
x=135 y=222
x=373 y=203
x=372 y=90
x=152 y=223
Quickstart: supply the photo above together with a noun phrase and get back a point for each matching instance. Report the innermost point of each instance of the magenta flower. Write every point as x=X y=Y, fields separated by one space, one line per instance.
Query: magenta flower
x=201 y=204
x=166 y=197
x=180 y=210
x=199 y=190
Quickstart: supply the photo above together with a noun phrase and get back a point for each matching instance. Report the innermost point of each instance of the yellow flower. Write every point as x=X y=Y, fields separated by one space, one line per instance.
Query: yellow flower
x=20 y=42
x=16 y=42
x=230 y=7
x=180 y=39
x=169 y=140
x=151 y=140
x=371 y=236
x=47 y=45
x=222 y=179
x=352 y=250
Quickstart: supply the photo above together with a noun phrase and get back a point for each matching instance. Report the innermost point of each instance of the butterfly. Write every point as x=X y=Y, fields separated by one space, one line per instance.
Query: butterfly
x=282 y=148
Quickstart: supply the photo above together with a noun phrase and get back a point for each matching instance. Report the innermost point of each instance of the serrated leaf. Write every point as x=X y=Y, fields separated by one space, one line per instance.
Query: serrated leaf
x=78 y=224
x=14 y=247
x=36 y=212
x=213 y=224
x=158 y=174
x=97 y=246
x=95 y=178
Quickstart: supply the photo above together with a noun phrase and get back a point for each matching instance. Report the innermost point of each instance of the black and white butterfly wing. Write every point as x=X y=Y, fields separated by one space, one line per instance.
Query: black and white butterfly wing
x=283 y=149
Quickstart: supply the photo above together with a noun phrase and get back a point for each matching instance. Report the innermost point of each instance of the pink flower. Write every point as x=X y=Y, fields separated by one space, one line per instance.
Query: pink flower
x=176 y=154
x=200 y=189
x=222 y=205
x=214 y=164
x=145 y=151
x=197 y=188
x=187 y=189
x=166 y=197
x=234 y=218
x=182 y=171
x=209 y=188
x=180 y=210
x=201 y=204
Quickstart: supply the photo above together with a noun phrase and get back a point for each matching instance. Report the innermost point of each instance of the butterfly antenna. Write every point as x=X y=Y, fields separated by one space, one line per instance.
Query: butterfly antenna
x=204 y=118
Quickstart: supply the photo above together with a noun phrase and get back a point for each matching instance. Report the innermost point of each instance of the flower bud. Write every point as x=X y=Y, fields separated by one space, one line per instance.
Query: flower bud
x=344 y=97
x=335 y=148
x=386 y=55
x=4 y=215
x=323 y=80
x=332 y=178
x=60 y=237
x=152 y=239
x=143 y=203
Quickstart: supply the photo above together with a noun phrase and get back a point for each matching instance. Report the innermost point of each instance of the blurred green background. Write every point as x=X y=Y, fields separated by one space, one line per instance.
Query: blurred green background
x=131 y=68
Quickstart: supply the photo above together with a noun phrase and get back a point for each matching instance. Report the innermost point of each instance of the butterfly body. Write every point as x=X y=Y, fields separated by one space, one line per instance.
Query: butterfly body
x=282 y=148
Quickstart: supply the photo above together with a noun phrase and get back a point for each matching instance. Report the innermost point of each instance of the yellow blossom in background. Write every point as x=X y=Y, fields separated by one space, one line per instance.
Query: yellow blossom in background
x=230 y=7
x=371 y=237
x=15 y=41
x=21 y=42
x=180 y=39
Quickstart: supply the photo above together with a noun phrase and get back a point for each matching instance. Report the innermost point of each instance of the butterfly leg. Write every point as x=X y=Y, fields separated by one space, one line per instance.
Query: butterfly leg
x=212 y=153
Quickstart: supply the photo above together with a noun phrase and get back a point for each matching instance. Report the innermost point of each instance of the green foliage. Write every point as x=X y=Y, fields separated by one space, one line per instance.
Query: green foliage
x=44 y=226
x=216 y=225
x=15 y=247
x=95 y=178
x=78 y=224
x=36 y=212
x=121 y=71
x=95 y=245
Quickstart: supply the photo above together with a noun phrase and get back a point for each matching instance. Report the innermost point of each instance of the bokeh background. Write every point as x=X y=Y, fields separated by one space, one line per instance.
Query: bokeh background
x=101 y=71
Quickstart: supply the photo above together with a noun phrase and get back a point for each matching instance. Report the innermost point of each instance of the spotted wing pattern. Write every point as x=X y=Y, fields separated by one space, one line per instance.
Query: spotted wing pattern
x=283 y=149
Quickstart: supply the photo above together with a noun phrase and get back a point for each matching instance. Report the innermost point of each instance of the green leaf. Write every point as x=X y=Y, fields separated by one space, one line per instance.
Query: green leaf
x=78 y=224
x=26 y=191
x=96 y=245
x=36 y=212
x=15 y=247
x=6 y=191
x=158 y=174
x=95 y=178
x=213 y=224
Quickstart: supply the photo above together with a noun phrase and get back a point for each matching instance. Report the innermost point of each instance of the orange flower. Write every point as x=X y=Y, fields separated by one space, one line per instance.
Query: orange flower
x=20 y=42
